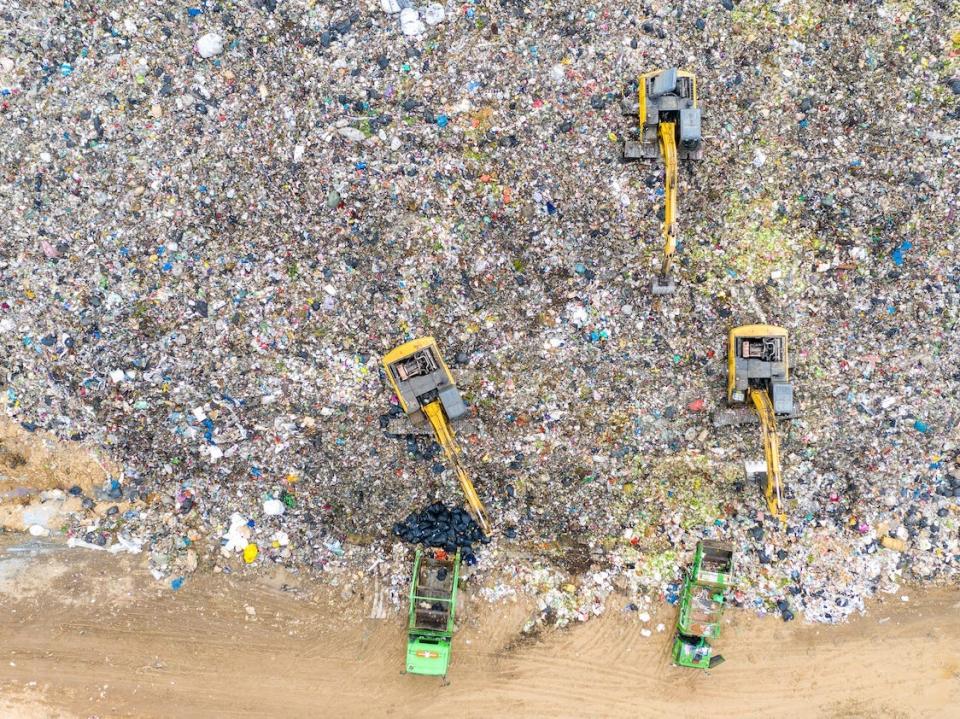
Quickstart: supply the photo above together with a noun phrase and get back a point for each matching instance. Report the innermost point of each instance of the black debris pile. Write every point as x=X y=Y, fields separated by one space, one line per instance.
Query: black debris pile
x=443 y=527
x=784 y=608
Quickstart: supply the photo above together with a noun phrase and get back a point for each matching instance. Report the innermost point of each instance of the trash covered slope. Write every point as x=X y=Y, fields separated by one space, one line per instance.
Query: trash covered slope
x=220 y=215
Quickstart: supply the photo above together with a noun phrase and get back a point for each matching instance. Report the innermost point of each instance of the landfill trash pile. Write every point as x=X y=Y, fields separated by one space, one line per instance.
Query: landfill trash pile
x=218 y=217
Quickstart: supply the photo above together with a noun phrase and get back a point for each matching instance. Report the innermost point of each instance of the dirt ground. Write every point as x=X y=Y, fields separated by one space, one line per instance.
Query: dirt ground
x=86 y=634
x=33 y=461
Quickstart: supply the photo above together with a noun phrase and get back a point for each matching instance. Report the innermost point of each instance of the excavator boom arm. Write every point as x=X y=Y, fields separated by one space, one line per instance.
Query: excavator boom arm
x=668 y=149
x=773 y=490
x=445 y=436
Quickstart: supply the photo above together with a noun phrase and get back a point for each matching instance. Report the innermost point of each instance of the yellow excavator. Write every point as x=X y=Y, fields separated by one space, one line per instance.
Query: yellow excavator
x=669 y=122
x=429 y=396
x=758 y=374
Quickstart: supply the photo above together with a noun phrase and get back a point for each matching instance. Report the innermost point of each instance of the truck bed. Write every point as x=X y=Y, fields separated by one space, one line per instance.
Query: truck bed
x=432 y=609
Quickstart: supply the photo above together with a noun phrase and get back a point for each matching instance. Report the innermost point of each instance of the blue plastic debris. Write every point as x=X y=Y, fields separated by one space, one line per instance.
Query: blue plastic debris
x=897 y=253
x=921 y=427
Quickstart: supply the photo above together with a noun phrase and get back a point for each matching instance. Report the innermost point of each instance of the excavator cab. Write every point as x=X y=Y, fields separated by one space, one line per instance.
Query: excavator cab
x=666 y=96
x=669 y=127
x=419 y=376
x=758 y=360
x=428 y=395
x=759 y=375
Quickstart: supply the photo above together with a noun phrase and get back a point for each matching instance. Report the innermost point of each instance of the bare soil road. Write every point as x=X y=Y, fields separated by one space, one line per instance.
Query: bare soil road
x=85 y=634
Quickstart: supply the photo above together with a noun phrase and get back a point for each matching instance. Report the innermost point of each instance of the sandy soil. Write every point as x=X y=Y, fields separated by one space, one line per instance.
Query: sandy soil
x=90 y=635
x=38 y=460
x=31 y=462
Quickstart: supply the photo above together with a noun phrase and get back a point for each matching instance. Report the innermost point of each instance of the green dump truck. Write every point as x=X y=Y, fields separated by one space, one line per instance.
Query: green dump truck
x=433 y=602
x=702 y=601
